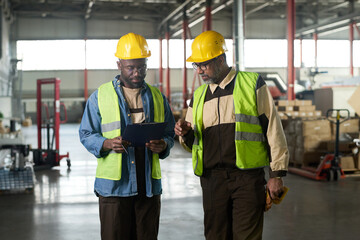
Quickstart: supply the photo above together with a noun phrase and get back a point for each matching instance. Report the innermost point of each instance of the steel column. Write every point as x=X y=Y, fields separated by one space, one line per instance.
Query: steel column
x=301 y=61
x=291 y=36
x=207 y=22
x=351 y=39
x=185 y=95
x=239 y=34
x=160 y=67
x=315 y=36
x=85 y=78
x=38 y=111
x=167 y=36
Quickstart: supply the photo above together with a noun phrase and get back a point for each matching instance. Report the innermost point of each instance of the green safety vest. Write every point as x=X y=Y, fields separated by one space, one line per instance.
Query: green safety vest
x=109 y=167
x=250 y=142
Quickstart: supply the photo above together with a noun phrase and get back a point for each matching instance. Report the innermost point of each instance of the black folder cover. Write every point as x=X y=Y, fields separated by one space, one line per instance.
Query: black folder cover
x=140 y=133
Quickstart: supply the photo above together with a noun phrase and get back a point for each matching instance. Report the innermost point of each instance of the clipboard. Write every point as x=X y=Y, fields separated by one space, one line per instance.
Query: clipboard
x=140 y=133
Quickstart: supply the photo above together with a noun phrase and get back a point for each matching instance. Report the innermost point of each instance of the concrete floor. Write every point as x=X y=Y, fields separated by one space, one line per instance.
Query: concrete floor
x=63 y=205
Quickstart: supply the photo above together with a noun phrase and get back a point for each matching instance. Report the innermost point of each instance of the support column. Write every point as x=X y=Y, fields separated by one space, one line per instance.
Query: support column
x=207 y=22
x=301 y=61
x=351 y=39
x=291 y=36
x=315 y=36
x=185 y=94
x=85 y=77
x=239 y=34
x=160 y=66
x=167 y=37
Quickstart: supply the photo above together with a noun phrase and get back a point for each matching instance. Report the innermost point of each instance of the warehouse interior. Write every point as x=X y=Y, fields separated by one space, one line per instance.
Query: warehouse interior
x=55 y=53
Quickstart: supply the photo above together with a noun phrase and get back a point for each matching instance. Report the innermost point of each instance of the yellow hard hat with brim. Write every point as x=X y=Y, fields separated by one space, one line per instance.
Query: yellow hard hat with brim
x=132 y=46
x=206 y=46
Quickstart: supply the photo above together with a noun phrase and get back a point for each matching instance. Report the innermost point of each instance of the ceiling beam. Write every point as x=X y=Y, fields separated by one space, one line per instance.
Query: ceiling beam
x=330 y=24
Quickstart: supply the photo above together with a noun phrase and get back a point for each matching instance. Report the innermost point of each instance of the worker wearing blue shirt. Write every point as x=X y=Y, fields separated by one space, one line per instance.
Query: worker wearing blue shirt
x=128 y=178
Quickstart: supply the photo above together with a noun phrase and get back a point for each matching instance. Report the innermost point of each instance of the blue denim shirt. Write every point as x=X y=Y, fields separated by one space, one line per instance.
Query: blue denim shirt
x=92 y=139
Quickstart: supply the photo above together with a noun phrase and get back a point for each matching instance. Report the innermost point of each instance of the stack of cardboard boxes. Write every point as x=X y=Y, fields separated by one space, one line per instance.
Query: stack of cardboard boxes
x=296 y=108
x=307 y=140
x=310 y=139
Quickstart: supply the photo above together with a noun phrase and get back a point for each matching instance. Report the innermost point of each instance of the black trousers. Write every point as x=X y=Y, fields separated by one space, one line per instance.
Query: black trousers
x=233 y=202
x=129 y=218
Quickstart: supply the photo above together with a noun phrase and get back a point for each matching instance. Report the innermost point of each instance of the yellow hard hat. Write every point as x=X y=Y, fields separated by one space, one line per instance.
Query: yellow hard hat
x=132 y=46
x=206 y=46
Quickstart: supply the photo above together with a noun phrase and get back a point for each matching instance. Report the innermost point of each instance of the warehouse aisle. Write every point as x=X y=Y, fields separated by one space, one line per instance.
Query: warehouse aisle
x=63 y=206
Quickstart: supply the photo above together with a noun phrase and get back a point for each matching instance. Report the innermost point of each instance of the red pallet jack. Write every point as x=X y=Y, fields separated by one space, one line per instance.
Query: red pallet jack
x=48 y=157
x=329 y=168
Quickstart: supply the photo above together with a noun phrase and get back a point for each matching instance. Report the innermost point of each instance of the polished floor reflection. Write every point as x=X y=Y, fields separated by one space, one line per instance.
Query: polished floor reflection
x=63 y=206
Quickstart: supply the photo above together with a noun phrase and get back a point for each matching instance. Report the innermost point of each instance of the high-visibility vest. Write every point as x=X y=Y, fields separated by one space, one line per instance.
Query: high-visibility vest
x=109 y=167
x=250 y=142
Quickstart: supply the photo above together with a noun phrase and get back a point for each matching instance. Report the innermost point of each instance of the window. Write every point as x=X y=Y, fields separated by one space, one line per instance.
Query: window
x=51 y=54
x=258 y=53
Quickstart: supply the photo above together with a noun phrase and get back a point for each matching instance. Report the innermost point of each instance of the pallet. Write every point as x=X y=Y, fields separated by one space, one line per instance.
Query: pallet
x=17 y=181
x=352 y=172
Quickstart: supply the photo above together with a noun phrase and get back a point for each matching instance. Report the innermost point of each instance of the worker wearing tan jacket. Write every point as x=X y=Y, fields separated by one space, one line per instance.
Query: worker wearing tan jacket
x=233 y=131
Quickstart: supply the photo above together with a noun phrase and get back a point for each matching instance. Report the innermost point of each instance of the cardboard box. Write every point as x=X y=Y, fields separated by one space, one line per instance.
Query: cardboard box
x=344 y=147
x=357 y=161
x=285 y=108
x=317 y=113
x=313 y=127
x=284 y=103
x=302 y=114
x=302 y=102
x=347 y=163
x=288 y=115
x=305 y=108
x=354 y=101
x=349 y=126
x=27 y=122
x=313 y=143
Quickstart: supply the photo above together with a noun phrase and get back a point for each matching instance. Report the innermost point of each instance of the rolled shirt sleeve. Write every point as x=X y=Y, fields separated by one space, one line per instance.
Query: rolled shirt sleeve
x=90 y=128
x=279 y=154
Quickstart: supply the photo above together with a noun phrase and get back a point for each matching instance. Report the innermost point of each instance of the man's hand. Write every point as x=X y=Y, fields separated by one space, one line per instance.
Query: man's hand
x=182 y=127
x=117 y=144
x=275 y=187
x=156 y=146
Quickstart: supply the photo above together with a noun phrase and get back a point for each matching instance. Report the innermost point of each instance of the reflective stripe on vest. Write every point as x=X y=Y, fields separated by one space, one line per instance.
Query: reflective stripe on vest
x=109 y=167
x=250 y=142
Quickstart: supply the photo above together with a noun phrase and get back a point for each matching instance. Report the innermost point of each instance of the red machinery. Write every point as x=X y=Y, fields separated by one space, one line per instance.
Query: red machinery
x=49 y=156
x=329 y=167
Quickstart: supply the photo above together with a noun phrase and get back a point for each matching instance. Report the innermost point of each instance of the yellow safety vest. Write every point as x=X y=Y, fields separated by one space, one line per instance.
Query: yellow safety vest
x=109 y=167
x=250 y=142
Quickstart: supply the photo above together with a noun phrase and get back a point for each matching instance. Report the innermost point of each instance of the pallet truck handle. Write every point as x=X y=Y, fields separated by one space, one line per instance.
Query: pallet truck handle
x=338 y=115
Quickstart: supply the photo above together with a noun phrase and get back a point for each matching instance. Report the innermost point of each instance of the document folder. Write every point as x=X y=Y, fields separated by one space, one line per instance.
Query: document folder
x=140 y=133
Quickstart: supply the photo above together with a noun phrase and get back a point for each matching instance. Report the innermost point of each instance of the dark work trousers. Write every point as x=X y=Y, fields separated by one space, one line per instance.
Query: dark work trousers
x=233 y=202
x=131 y=218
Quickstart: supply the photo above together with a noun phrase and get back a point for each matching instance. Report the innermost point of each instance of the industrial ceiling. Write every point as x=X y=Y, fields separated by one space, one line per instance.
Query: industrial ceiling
x=311 y=15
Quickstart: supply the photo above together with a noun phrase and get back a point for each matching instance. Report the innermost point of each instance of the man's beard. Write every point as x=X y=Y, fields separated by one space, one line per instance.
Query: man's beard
x=209 y=81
